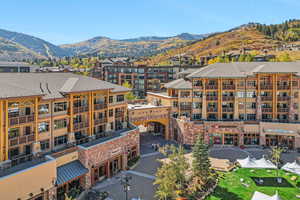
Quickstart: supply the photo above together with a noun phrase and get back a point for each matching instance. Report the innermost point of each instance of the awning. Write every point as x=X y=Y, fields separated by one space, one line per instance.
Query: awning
x=70 y=171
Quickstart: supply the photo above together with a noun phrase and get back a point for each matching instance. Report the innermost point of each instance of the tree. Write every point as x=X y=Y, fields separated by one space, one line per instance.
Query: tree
x=284 y=58
x=201 y=166
x=171 y=176
x=275 y=157
x=129 y=96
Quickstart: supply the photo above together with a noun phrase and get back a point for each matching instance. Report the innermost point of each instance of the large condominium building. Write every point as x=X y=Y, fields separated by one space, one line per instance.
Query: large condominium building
x=60 y=131
x=17 y=67
x=142 y=78
x=236 y=104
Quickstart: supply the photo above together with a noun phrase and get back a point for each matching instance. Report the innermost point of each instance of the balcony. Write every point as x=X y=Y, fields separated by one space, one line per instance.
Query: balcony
x=266 y=87
x=212 y=109
x=81 y=109
x=81 y=125
x=21 y=120
x=266 y=98
x=228 y=98
x=211 y=98
x=282 y=110
x=100 y=121
x=283 y=98
x=100 y=106
x=21 y=140
x=228 y=87
x=186 y=107
x=227 y=109
x=283 y=87
x=211 y=87
x=119 y=114
x=267 y=110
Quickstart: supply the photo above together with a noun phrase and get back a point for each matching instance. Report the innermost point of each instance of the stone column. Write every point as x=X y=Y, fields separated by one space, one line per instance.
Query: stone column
x=204 y=106
x=236 y=108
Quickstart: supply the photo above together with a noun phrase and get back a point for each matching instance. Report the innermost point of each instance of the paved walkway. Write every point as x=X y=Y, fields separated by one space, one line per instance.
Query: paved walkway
x=141 y=174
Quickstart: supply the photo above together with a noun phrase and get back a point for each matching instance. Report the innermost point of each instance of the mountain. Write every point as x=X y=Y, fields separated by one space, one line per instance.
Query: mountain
x=134 y=47
x=18 y=46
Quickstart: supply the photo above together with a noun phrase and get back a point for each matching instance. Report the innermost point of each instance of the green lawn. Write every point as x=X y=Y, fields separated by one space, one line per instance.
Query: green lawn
x=230 y=187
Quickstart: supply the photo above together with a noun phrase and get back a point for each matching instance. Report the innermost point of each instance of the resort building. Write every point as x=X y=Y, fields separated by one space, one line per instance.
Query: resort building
x=17 y=67
x=237 y=104
x=59 y=132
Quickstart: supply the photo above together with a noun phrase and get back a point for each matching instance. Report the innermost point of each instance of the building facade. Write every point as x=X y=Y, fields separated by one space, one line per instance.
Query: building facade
x=236 y=104
x=17 y=67
x=71 y=130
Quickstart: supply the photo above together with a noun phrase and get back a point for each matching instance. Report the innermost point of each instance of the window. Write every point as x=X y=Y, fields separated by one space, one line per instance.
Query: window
x=120 y=98
x=13 y=132
x=13 y=152
x=60 y=107
x=60 y=140
x=43 y=127
x=175 y=104
x=251 y=116
x=45 y=145
x=43 y=109
x=111 y=99
x=111 y=113
x=197 y=94
x=60 y=123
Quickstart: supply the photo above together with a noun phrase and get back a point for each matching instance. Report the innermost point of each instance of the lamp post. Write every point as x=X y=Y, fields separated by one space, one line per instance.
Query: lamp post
x=125 y=183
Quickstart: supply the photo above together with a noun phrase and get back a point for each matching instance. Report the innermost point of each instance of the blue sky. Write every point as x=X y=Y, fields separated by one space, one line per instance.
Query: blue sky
x=68 y=21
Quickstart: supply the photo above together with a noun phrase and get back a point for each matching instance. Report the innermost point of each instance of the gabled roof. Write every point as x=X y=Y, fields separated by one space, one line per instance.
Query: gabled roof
x=244 y=69
x=50 y=85
x=179 y=84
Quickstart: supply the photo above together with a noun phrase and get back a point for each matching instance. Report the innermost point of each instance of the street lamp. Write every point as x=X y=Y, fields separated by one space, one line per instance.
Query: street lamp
x=125 y=183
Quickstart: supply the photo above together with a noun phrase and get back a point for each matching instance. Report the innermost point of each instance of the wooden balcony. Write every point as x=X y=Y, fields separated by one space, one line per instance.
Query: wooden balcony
x=100 y=121
x=211 y=87
x=21 y=140
x=211 y=98
x=212 y=109
x=100 y=106
x=269 y=110
x=227 y=98
x=266 y=98
x=282 y=110
x=81 y=109
x=21 y=120
x=81 y=125
x=228 y=87
x=227 y=109
x=119 y=114
x=283 y=87
x=283 y=98
x=266 y=87
x=186 y=107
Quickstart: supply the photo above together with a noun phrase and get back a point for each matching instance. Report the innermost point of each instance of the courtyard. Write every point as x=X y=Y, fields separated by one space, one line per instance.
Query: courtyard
x=143 y=174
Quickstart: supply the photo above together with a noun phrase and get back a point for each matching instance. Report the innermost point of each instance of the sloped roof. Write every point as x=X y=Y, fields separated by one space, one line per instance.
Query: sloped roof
x=244 y=69
x=179 y=84
x=70 y=171
x=50 y=85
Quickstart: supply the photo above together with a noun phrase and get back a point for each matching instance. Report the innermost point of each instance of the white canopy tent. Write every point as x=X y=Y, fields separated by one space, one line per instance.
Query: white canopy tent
x=262 y=196
x=258 y=164
x=293 y=167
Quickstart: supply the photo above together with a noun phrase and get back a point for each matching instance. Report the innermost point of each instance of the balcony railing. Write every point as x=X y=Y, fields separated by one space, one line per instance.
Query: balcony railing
x=80 y=109
x=21 y=120
x=266 y=98
x=283 y=87
x=227 y=109
x=119 y=114
x=212 y=98
x=21 y=159
x=282 y=110
x=228 y=87
x=186 y=107
x=21 y=140
x=211 y=87
x=212 y=109
x=100 y=106
x=283 y=98
x=266 y=87
x=266 y=109
x=100 y=121
x=228 y=98
x=81 y=125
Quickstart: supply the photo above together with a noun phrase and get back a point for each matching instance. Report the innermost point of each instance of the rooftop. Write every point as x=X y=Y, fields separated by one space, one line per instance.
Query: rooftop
x=50 y=85
x=244 y=69
x=179 y=84
x=141 y=106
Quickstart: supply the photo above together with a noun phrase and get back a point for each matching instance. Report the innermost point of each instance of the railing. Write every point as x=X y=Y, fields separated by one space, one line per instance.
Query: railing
x=227 y=98
x=21 y=120
x=198 y=86
x=211 y=98
x=211 y=87
x=100 y=121
x=119 y=114
x=185 y=107
x=282 y=110
x=228 y=87
x=81 y=125
x=266 y=109
x=21 y=159
x=80 y=109
x=266 y=98
x=212 y=109
x=266 y=87
x=283 y=98
x=21 y=140
x=100 y=106
x=227 y=109
x=283 y=87
x=185 y=96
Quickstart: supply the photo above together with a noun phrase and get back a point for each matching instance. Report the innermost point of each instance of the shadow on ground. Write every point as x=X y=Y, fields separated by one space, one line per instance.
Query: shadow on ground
x=223 y=194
